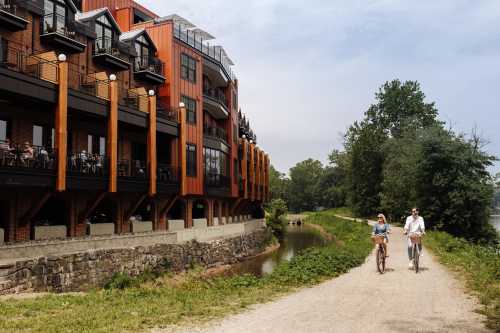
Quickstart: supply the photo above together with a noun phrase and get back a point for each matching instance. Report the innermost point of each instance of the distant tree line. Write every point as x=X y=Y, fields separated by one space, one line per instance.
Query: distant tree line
x=398 y=156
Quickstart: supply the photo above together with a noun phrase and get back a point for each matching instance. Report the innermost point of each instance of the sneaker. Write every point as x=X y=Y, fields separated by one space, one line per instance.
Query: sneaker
x=410 y=265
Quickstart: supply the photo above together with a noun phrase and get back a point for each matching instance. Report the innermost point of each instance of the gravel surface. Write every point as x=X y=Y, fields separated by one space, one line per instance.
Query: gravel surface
x=365 y=301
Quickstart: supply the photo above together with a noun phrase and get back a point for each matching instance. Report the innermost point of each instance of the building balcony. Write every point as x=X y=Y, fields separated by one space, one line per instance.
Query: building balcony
x=217 y=184
x=61 y=35
x=164 y=112
x=150 y=70
x=9 y=17
x=132 y=176
x=107 y=53
x=215 y=133
x=25 y=165
x=87 y=171
x=215 y=103
x=167 y=178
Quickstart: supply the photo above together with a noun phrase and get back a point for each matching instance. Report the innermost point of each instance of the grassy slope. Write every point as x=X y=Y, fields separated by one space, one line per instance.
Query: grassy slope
x=478 y=265
x=166 y=301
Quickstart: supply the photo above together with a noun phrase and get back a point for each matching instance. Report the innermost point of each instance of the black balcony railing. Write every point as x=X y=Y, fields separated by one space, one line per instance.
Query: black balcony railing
x=57 y=23
x=215 y=132
x=149 y=64
x=106 y=45
x=132 y=169
x=86 y=164
x=217 y=180
x=26 y=156
x=216 y=95
x=16 y=58
x=163 y=111
x=9 y=6
x=167 y=174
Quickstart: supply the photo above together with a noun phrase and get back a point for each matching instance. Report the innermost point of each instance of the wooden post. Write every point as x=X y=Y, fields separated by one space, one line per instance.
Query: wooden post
x=152 y=161
x=112 y=143
x=244 y=168
x=61 y=126
x=182 y=150
x=252 y=171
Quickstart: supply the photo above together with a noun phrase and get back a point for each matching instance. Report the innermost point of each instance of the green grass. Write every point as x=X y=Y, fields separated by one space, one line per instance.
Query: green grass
x=173 y=300
x=478 y=265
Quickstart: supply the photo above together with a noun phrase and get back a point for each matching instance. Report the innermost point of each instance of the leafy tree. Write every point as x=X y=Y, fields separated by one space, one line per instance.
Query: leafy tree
x=304 y=189
x=276 y=217
x=278 y=184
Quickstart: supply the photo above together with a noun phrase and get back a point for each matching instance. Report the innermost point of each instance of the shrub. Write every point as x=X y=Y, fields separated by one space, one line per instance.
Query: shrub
x=275 y=219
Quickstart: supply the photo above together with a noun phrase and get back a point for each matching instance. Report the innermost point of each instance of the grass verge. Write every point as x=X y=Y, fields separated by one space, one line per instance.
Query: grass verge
x=170 y=300
x=478 y=265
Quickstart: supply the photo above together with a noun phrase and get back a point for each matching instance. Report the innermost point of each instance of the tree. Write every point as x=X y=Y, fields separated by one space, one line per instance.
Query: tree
x=304 y=185
x=278 y=184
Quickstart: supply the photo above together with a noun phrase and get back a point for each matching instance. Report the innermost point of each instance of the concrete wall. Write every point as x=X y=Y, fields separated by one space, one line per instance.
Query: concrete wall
x=175 y=225
x=50 y=232
x=142 y=226
x=85 y=270
x=200 y=223
x=101 y=229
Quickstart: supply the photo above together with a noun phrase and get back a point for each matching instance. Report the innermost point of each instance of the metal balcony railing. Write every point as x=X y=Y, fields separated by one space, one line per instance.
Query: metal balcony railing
x=216 y=94
x=18 y=59
x=163 y=111
x=149 y=64
x=213 y=52
x=86 y=164
x=217 y=180
x=106 y=45
x=57 y=23
x=215 y=132
x=13 y=155
x=167 y=174
x=132 y=169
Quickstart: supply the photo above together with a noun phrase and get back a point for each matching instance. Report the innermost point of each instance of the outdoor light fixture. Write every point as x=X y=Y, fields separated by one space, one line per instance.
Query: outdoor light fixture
x=244 y=136
x=251 y=141
x=112 y=77
x=62 y=57
x=181 y=104
x=151 y=92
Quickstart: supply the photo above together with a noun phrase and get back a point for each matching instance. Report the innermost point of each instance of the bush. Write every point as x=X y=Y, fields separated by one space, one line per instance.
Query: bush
x=119 y=281
x=275 y=219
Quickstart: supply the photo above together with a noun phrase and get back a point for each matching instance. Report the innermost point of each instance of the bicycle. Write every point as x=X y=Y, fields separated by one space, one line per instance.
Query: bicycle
x=416 y=240
x=380 y=254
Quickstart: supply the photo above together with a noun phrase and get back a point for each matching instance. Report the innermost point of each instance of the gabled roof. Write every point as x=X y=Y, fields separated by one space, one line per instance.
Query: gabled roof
x=95 y=14
x=134 y=34
x=72 y=5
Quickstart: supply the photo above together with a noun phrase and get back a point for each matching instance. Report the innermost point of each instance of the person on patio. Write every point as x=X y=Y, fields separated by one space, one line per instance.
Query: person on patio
x=27 y=153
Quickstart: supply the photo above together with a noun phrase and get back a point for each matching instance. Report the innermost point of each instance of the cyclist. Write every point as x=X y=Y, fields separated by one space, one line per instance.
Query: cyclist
x=414 y=224
x=382 y=228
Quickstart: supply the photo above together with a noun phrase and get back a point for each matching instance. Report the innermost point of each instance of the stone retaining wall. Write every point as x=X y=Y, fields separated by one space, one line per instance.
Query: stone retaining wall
x=93 y=268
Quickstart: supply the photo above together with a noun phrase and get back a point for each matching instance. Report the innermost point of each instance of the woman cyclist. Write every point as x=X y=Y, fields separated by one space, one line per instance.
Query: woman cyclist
x=382 y=228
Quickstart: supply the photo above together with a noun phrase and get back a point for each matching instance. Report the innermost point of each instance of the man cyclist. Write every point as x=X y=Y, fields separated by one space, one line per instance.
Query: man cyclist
x=414 y=223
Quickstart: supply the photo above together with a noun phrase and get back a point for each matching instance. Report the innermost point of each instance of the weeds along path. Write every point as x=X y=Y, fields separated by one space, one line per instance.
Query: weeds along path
x=365 y=301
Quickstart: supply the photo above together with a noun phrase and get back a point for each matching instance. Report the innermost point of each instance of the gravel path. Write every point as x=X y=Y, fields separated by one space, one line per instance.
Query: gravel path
x=365 y=301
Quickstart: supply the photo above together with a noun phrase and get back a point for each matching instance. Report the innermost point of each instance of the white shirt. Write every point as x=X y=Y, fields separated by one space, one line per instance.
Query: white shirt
x=414 y=224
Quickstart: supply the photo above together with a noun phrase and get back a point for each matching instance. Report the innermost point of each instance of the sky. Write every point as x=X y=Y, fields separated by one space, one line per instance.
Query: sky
x=308 y=69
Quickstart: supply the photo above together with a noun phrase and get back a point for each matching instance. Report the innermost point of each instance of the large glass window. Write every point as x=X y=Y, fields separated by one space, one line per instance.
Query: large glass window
x=191 y=160
x=142 y=49
x=188 y=68
x=104 y=32
x=96 y=145
x=4 y=125
x=43 y=136
x=55 y=16
x=190 y=109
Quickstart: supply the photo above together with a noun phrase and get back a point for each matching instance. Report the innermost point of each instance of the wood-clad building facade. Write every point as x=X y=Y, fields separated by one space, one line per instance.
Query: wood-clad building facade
x=115 y=120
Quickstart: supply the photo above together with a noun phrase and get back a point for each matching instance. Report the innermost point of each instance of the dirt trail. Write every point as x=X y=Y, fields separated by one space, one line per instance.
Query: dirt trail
x=365 y=301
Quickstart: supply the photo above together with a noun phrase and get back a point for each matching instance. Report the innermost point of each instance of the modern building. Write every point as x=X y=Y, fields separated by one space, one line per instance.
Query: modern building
x=116 y=120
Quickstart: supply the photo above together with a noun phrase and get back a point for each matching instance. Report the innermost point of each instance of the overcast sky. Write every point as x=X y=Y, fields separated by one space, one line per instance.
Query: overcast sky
x=308 y=69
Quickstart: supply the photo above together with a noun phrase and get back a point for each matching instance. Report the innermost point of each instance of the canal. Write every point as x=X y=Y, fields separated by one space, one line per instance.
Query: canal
x=297 y=238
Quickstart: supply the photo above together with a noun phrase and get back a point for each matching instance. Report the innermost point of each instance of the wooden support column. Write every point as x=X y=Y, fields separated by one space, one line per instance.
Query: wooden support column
x=61 y=125
x=252 y=172
x=266 y=188
x=182 y=149
x=188 y=219
x=152 y=162
x=112 y=139
x=210 y=211
x=257 y=174
x=244 y=167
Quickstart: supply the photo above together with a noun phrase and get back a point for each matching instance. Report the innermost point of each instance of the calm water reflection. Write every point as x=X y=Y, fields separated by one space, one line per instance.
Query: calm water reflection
x=296 y=239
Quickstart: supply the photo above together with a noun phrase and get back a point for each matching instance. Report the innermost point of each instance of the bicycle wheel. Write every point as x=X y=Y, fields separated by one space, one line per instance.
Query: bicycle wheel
x=380 y=258
x=416 y=256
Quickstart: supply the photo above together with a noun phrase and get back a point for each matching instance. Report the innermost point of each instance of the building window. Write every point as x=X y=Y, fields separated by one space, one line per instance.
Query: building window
x=190 y=109
x=188 y=68
x=4 y=130
x=96 y=145
x=104 y=32
x=191 y=160
x=55 y=16
x=143 y=50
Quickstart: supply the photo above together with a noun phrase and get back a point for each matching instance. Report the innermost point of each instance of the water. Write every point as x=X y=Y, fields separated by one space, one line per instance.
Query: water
x=296 y=239
x=495 y=221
